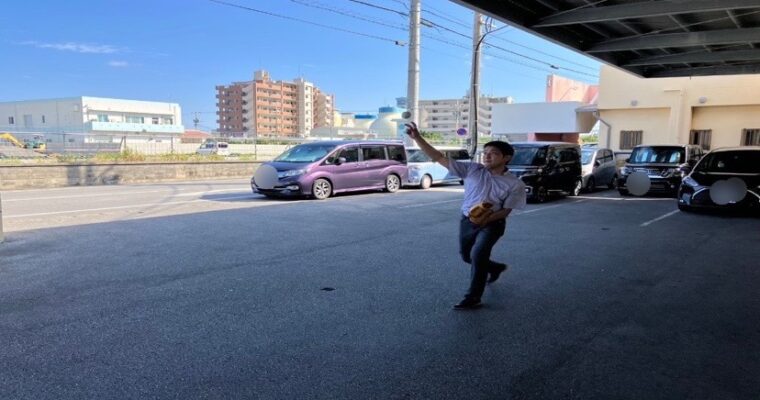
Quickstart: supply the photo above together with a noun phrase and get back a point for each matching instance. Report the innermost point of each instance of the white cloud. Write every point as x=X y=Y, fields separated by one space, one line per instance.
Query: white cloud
x=75 y=47
x=118 y=64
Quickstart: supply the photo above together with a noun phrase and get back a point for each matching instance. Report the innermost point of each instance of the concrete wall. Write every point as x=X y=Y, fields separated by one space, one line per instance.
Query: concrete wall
x=726 y=122
x=46 y=176
x=653 y=123
x=538 y=117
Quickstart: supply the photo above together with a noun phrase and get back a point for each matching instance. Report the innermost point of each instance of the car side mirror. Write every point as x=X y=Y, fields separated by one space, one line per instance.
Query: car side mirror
x=597 y=163
x=552 y=163
x=685 y=169
x=692 y=162
x=340 y=160
x=628 y=160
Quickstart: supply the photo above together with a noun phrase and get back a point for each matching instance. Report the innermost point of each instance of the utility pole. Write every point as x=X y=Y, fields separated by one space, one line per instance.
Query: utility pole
x=413 y=80
x=475 y=83
x=2 y=236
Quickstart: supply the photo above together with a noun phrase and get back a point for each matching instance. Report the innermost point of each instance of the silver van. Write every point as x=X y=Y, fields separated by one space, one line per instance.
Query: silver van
x=599 y=168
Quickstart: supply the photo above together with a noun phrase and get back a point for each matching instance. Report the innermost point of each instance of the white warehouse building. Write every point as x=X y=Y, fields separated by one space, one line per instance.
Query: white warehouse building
x=92 y=116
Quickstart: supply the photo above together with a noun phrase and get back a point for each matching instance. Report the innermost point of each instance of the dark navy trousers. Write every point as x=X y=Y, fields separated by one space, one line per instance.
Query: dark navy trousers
x=475 y=244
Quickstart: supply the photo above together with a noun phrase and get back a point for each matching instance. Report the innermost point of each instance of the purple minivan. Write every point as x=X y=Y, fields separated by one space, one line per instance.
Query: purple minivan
x=320 y=169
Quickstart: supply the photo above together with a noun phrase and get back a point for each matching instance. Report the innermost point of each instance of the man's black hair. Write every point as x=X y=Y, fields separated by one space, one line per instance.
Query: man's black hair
x=504 y=147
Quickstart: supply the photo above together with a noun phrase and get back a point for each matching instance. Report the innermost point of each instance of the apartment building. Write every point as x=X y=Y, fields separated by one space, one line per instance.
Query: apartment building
x=92 y=116
x=264 y=107
x=445 y=116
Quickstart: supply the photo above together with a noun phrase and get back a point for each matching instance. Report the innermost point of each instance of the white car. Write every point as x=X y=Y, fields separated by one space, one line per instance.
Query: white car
x=424 y=172
x=214 y=147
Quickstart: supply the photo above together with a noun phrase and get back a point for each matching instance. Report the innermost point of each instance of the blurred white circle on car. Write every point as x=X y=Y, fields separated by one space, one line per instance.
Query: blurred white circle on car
x=729 y=191
x=638 y=183
x=265 y=177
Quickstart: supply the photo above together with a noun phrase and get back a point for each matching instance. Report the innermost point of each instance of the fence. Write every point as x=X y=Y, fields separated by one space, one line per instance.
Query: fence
x=149 y=144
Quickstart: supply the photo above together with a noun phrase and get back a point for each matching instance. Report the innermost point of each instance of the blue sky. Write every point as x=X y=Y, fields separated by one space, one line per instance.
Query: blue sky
x=178 y=51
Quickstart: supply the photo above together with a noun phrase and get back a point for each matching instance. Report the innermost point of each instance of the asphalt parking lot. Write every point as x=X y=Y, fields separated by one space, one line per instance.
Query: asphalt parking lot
x=205 y=291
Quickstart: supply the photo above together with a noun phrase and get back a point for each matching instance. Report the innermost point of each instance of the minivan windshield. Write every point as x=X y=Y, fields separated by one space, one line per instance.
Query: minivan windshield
x=587 y=156
x=658 y=154
x=535 y=156
x=741 y=162
x=306 y=153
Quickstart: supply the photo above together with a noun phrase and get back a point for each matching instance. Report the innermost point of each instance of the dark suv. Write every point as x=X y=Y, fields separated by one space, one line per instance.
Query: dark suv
x=738 y=164
x=547 y=168
x=663 y=164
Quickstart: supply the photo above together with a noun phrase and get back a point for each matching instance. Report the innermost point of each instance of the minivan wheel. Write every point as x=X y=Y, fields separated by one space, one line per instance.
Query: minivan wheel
x=392 y=183
x=577 y=188
x=321 y=189
x=425 y=182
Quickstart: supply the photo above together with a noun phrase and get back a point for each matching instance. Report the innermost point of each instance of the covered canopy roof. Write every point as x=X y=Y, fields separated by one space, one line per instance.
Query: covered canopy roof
x=650 y=38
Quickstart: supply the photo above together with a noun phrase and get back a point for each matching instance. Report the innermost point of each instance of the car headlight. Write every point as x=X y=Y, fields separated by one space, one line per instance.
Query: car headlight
x=414 y=168
x=291 y=172
x=625 y=171
x=690 y=181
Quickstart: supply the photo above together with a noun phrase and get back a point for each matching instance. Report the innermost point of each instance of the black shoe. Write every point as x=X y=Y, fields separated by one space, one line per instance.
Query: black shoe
x=468 y=304
x=496 y=271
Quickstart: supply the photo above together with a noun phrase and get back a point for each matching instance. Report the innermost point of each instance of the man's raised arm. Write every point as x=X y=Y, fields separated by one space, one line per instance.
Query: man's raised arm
x=435 y=155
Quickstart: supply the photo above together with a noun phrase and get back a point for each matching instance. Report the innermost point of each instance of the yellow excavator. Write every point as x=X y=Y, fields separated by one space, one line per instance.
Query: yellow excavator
x=36 y=143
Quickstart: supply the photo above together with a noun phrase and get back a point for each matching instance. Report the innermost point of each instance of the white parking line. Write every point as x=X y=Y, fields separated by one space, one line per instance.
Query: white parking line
x=248 y=196
x=543 y=208
x=168 y=191
x=625 y=198
x=660 y=218
x=431 y=203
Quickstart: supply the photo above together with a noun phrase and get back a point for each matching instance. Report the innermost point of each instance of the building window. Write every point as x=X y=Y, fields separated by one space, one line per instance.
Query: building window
x=701 y=137
x=630 y=139
x=135 y=120
x=11 y=121
x=154 y=120
x=102 y=118
x=43 y=119
x=751 y=137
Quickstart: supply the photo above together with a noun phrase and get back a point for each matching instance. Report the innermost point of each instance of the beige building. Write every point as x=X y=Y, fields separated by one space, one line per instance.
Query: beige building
x=445 y=116
x=264 y=107
x=712 y=111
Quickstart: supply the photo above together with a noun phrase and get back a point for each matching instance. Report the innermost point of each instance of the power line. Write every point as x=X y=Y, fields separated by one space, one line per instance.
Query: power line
x=380 y=7
x=397 y=42
x=438 y=26
x=541 y=52
x=553 y=66
x=305 y=21
x=497 y=56
x=462 y=24
x=341 y=12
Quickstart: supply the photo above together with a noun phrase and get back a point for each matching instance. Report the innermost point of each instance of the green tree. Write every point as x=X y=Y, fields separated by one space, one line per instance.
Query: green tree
x=434 y=137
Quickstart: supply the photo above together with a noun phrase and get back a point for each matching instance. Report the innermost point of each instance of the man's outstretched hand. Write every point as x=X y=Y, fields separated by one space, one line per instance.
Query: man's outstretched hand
x=412 y=131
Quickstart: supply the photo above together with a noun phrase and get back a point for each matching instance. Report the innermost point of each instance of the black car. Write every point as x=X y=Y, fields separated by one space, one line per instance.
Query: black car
x=663 y=164
x=735 y=165
x=547 y=168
